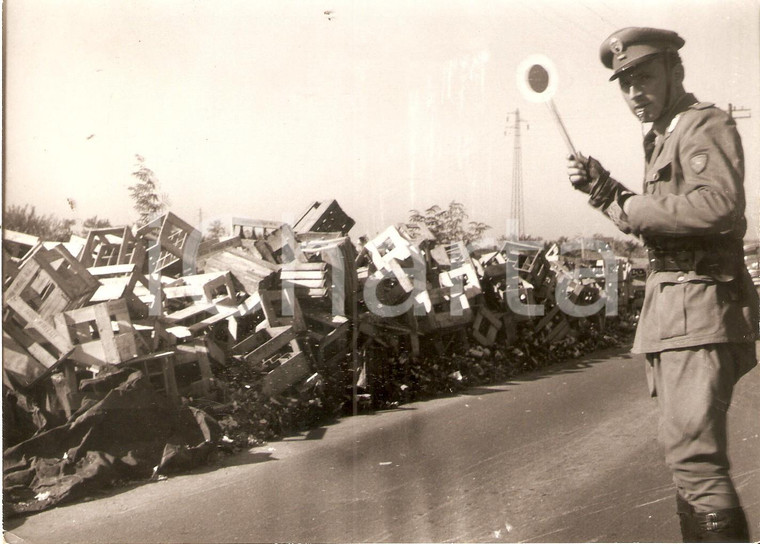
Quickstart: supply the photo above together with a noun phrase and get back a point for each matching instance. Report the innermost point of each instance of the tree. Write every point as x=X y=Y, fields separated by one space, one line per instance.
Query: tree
x=448 y=225
x=148 y=202
x=216 y=230
x=46 y=227
x=522 y=238
x=95 y=223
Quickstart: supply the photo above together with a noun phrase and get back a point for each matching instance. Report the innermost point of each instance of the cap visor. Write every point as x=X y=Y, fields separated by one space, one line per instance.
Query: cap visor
x=633 y=64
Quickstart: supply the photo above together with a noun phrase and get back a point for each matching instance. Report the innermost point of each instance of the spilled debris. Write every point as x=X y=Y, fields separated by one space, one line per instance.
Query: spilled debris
x=134 y=353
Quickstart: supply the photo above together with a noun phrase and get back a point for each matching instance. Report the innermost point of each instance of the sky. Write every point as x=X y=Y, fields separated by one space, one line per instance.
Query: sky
x=256 y=109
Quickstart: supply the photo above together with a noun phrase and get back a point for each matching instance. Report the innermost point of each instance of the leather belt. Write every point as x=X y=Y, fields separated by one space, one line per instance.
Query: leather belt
x=684 y=260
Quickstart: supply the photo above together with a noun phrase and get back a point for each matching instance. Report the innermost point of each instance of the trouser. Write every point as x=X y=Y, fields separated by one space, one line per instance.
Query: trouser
x=693 y=387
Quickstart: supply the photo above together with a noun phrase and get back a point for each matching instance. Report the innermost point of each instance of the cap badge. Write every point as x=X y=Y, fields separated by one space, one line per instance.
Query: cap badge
x=616 y=46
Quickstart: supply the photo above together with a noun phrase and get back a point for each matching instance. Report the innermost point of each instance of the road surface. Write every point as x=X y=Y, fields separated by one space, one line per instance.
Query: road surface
x=565 y=455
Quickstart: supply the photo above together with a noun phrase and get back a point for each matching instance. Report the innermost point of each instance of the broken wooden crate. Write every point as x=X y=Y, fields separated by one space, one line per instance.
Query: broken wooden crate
x=100 y=334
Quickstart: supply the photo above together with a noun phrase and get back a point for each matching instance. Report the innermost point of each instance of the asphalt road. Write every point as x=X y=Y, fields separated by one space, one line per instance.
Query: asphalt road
x=567 y=455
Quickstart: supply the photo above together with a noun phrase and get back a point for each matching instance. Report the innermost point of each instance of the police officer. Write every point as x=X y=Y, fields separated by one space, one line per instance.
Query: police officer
x=699 y=320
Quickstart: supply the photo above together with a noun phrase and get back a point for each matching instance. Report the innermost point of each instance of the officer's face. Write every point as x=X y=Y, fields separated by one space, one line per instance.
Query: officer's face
x=645 y=89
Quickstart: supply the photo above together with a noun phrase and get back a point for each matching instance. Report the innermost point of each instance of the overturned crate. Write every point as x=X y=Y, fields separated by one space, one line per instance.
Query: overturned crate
x=49 y=282
x=100 y=334
x=172 y=245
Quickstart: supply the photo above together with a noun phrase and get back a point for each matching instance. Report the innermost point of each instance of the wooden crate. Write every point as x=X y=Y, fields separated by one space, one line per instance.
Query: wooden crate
x=254 y=228
x=112 y=246
x=273 y=247
x=273 y=341
x=192 y=368
x=50 y=281
x=330 y=333
x=309 y=279
x=281 y=308
x=461 y=268
x=19 y=364
x=486 y=326
x=445 y=311
x=201 y=315
x=120 y=282
x=290 y=368
x=158 y=368
x=553 y=326
x=171 y=242
x=101 y=334
x=324 y=217
x=207 y=287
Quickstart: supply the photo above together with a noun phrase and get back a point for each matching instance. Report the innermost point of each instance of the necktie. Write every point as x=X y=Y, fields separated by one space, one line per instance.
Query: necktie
x=649 y=141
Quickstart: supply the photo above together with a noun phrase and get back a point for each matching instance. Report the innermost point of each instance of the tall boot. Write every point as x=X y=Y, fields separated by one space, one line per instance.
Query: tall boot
x=689 y=527
x=723 y=526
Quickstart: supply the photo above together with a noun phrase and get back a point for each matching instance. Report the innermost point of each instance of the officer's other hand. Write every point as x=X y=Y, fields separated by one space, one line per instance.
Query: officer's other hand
x=576 y=171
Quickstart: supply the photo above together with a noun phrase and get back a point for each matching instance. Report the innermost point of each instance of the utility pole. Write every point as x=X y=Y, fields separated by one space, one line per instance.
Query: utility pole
x=744 y=113
x=516 y=222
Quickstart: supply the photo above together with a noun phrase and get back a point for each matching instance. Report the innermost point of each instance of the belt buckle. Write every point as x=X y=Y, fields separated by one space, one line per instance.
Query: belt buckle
x=712 y=521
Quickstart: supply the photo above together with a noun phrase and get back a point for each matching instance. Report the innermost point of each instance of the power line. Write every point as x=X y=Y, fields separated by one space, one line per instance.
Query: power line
x=583 y=29
x=744 y=113
x=601 y=17
x=563 y=29
x=611 y=12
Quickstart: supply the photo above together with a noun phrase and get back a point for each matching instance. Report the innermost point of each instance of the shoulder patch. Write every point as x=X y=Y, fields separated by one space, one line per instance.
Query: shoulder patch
x=698 y=162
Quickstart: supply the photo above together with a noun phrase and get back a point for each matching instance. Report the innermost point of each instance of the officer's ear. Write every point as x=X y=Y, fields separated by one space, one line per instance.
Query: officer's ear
x=678 y=73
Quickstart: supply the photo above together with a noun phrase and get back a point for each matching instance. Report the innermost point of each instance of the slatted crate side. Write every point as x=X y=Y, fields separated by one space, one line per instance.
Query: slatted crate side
x=486 y=326
x=101 y=334
x=106 y=254
x=21 y=316
x=20 y=363
x=158 y=368
x=388 y=246
x=52 y=281
x=192 y=368
x=448 y=311
x=281 y=308
x=108 y=246
x=278 y=338
x=210 y=286
x=324 y=217
x=290 y=369
x=74 y=277
x=170 y=240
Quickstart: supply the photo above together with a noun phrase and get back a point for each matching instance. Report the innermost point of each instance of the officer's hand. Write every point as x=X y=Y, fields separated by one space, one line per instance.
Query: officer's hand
x=584 y=172
x=576 y=171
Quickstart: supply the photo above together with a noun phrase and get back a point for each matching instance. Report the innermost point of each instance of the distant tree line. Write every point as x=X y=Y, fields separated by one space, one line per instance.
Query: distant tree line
x=449 y=224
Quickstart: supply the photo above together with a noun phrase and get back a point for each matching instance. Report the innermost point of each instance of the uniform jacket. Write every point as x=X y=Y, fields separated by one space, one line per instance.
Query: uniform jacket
x=693 y=199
